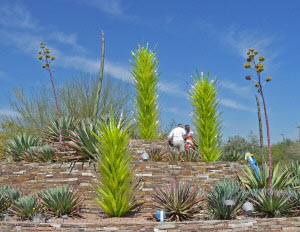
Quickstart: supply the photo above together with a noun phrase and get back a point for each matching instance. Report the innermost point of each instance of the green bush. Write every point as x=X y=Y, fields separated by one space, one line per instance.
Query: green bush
x=222 y=192
x=206 y=119
x=281 y=177
x=27 y=207
x=61 y=201
x=8 y=195
x=116 y=187
x=144 y=72
x=179 y=200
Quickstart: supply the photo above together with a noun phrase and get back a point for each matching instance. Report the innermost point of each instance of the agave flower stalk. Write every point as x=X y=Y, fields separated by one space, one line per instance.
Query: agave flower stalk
x=258 y=67
x=206 y=119
x=44 y=55
x=145 y=77
x=261 y=141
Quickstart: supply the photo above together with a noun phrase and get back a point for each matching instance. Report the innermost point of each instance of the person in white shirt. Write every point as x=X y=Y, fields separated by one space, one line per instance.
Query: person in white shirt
x=177 y=137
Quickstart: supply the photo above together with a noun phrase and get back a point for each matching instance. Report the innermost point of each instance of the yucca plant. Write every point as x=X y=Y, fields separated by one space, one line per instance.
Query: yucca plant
x=83 y=141
x=156 y=154
x=17 y=145
x=116 y=186
x=39 y=154
x=206 y=119
x=8 y=195
x=67 y=124
x=225 y=200
x=179 y=200
x=191 y=156
x=278 y=204
x=282 y=177
x=27 y=207
x=294 y=168
x=61 y=201
x=175 y=155
x=144 y=72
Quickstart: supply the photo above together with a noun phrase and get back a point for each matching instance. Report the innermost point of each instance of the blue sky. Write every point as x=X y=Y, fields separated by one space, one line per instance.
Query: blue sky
x=210 y=36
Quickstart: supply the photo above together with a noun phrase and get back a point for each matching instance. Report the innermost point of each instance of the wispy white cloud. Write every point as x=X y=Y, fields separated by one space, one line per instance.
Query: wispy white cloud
x=235 y=105
x=113 y=7
x=242 y=91
x=8 y=112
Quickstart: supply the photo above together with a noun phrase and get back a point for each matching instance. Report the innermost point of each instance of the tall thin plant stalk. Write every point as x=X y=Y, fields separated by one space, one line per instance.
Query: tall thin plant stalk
x=44 y=55
x=261 y=138
x=258 y=67
x=144 y=72
x=96 y=106
x=206 y=119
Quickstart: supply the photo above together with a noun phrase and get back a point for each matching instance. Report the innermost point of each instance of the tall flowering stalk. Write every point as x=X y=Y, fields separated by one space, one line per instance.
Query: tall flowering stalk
x=44 y=55
x=145 y=77
x=257 y=65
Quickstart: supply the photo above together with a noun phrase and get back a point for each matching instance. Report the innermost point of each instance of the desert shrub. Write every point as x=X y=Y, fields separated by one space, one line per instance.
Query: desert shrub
x=20 y=143
x=61 y=201
x=191 y=156
x=43 y=153
x=144 y=72
x=115 y=189
x=281 y=177
x=278 y=204
x=236 y=147
x=26 y=207
x=179 y=200
x=8 y=195
x=175 y=155
x=206 y=119
x=217 y=200
x=156 y=153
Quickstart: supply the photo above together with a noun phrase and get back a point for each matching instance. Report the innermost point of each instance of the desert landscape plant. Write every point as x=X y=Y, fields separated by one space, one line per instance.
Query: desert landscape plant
x=206 y=119
x=179 y=200
x=44 y=55
x=230 y=191
x=116 y=185
x=26 y=207
x=145 y=75
x=258 y=67
x=8 y=195
x=61 y=201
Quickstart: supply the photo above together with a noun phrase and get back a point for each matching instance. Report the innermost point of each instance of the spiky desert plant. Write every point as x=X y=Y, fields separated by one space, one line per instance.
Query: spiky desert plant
x=191 y=156
x=44 y=55
x=144 y=72
x=155 y=153
x=206 y=119
x=66 y=124
x=61 y=201
x=26 y=207
x=179 y=200
x=83 y=141
x=294 y=168
x=275 y=205
x=222 y=192
x=282 y=177
x=175 y=155
x=16 y=146
x=258 y=66
x=39 y=154
x=116 y=186
x=8 y=195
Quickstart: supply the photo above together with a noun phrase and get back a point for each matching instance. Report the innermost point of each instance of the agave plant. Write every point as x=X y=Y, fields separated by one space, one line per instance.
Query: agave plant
x=175 y=155
x=26 y=207
x=294 y=168
x=273 y=205
x=67 y=124
x=282 y=177
x=61 y=201
x=39 y=154
x=294 y=195
x=156 y=153
x=232 y=156
x=8 y=195
x=179 y=200
x=116 y=186
x=17 y=145
x=83 y=141
x=191 y=156
x=225 y=200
